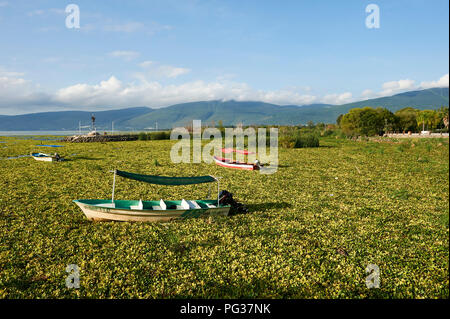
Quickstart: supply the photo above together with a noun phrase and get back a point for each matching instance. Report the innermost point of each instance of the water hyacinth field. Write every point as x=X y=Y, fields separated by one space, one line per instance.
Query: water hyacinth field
x=312 y=228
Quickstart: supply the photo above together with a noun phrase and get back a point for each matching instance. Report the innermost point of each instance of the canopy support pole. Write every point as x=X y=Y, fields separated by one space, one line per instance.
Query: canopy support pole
x=218 y=191
x=114 y=186
x=209 y=192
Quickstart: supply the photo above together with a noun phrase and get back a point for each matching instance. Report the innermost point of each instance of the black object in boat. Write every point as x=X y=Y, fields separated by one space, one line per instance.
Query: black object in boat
x=226 y=198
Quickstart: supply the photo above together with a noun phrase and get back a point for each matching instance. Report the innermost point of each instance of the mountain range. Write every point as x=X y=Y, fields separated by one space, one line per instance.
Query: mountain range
x=229 y=112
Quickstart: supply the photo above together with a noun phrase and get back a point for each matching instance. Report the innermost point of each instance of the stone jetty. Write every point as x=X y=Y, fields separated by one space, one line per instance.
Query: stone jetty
x=100 y=138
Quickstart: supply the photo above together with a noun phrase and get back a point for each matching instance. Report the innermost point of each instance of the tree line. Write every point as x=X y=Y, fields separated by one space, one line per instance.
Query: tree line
x=370 y=121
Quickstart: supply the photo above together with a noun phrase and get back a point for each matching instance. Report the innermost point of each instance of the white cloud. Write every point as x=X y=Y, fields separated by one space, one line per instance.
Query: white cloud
x=134 y=26
x=95 y=21
x=41 y=12
x=368 y=94
x=146 y=64
x=393 y=87
x=90 y=95
x=155 y=70
x=337 y=98
x=10 y=79
x=442 y=82
x=172 y=72
x=10 y=83
x=126 y=55
x=33 y=13
x=21 y=96
x=113 y=92
x=282 y=97
x=5 y=73
x=126 y=27
x=57 y=11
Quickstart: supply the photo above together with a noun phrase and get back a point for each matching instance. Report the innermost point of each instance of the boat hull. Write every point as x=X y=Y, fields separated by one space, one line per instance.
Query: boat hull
x=43 y=157
x=98 y=213
x=238 y=165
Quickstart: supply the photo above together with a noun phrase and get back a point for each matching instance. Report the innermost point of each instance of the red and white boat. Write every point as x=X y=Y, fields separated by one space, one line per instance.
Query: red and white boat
x=235 y=164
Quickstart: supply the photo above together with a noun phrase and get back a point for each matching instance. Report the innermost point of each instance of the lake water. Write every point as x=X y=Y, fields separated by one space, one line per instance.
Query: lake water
x=36 y=133
x=55 y=133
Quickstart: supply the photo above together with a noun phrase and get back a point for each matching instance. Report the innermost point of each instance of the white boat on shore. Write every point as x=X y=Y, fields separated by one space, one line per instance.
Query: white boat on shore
x=153 y=211
x=43 y=157
x=149 y=211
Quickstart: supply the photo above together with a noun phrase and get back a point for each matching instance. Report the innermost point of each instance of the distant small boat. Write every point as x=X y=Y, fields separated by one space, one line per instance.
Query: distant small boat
x=153 y=211
x=236 y=164
x=43 y=157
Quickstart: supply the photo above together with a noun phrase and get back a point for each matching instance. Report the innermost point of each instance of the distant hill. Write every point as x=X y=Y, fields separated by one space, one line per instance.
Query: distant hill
x=229 y=112
x=234 y=112
x=424 y=99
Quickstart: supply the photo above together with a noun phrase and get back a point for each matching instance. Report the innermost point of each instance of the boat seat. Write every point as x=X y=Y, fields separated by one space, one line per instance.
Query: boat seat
x=107 y=205
x=184 y=204
x=162 y=206
x=189 y=204
x=193 y=204
x=138 y=206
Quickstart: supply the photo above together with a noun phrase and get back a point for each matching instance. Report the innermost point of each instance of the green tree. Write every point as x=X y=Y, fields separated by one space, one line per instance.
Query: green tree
x=368 y=121
x=440 y=119
x=390 y=121
x=444 y=113
x=320 y=126
x=425 y=118
x=407 y=119
x=338 y=120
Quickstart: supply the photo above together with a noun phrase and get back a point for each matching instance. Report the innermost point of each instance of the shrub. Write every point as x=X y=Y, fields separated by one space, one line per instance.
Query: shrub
x=298 y=140
x=163 y=135
x=286 y=141
x=142 y=136
x=308 y=140
x=328 y=133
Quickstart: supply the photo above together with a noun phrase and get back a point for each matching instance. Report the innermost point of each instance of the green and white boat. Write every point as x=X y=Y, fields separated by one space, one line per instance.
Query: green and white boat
x=43 y=157
x=153 y=211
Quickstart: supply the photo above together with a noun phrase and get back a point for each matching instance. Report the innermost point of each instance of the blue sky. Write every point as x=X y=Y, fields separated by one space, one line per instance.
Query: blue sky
x=158 y=53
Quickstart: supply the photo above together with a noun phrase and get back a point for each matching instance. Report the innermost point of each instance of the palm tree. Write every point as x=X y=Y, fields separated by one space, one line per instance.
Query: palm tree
x=425 y=118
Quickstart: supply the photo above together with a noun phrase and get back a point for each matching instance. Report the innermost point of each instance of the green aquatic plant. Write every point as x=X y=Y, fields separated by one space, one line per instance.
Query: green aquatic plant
x=297 y=241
